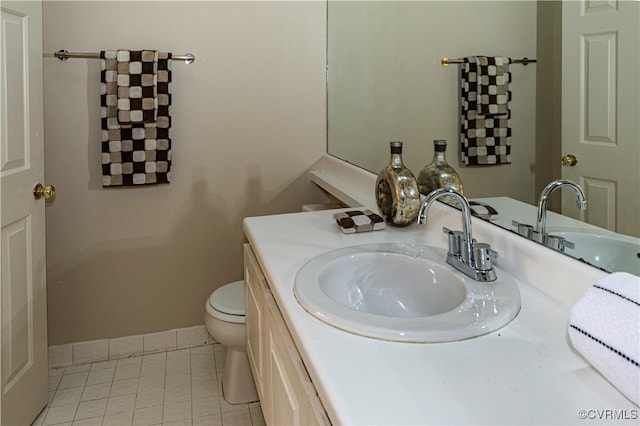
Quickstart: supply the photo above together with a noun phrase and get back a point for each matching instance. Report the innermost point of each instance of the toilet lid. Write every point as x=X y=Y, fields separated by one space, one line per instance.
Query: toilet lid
x=229 y=298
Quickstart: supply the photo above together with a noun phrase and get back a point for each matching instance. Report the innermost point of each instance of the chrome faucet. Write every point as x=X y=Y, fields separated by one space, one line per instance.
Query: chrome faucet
x=581 y=202
x=465 y=254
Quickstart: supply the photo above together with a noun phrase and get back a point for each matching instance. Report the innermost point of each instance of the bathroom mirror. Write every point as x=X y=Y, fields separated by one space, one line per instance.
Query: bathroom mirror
x=386 y=82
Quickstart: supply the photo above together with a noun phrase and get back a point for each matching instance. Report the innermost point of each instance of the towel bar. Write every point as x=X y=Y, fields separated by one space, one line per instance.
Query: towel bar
x=446 y=61
x=63 y=55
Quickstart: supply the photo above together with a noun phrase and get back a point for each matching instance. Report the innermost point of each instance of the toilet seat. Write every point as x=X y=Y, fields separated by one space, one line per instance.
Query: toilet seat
x=227 y=303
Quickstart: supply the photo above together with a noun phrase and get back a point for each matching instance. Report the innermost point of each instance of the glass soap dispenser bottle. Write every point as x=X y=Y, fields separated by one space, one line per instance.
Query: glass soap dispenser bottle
x=397 y=192
x=439 y=174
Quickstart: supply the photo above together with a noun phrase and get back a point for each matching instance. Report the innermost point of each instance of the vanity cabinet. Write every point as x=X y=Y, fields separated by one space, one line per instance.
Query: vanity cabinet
x=287 y=395
x=255 y=288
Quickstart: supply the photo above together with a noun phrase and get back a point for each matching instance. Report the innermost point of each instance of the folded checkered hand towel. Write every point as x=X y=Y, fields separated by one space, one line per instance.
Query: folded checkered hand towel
x=137 y=78
x=354 y=221
x=135 y=101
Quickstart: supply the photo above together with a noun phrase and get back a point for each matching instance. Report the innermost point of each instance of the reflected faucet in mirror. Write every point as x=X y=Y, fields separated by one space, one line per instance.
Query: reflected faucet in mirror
x=465 y=254
x=581 y=202
x=539 y=233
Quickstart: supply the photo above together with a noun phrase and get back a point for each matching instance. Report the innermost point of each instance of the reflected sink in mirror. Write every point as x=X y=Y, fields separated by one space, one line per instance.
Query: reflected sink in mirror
x=609 y=251
x=403 y=292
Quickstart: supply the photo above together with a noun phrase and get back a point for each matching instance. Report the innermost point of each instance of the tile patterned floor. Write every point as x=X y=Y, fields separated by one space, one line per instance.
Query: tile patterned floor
x=180 y=387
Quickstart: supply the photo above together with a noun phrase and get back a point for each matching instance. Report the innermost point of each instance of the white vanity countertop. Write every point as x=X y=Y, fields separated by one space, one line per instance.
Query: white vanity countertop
x=524 y=373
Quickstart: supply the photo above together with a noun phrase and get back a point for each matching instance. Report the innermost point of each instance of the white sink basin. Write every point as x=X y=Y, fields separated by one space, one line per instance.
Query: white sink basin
x=403 y=292
x=610 y=251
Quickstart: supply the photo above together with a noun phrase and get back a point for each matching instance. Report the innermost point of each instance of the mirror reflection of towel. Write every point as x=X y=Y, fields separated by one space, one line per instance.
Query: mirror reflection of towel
x=485 y=129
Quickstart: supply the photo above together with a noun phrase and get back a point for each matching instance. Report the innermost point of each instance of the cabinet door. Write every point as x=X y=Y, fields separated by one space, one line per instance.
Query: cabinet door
x=285 y=382
x=287 y=395
x=317 y=414
x=256 y=288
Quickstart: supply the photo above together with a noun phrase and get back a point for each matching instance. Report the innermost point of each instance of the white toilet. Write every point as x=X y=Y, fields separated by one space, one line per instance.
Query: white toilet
x=225 y=321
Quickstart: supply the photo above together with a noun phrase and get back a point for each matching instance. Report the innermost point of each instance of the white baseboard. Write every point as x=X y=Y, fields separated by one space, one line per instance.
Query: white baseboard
x=123 y=347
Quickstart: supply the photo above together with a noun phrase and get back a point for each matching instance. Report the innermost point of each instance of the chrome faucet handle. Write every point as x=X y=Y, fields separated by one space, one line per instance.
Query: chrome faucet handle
x=524 y=229
x=557 y=242
x=494 y=254
x=483 y=256
x=537 y=237
x=455 y=241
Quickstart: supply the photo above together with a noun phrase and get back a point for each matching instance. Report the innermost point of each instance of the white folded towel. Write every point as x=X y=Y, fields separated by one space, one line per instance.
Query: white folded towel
x=604 y=326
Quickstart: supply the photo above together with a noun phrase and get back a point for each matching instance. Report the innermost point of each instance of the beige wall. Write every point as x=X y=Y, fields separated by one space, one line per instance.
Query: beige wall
x=248 y=120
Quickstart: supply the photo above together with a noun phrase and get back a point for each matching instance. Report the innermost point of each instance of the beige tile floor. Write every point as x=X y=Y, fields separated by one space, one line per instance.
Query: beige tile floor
x=180 y=387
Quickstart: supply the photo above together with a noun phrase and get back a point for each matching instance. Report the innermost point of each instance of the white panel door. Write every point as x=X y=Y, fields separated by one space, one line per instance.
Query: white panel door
x=601 y=110
x=23 y=335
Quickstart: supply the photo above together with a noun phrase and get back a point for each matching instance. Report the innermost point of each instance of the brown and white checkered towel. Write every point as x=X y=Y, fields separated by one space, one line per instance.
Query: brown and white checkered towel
x=138 y=86
x=485 y=110
x=354 y=221
x=135 y=101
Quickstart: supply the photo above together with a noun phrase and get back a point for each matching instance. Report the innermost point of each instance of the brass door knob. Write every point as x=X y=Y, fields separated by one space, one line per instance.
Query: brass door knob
x=569 y=160
x=48 y=192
